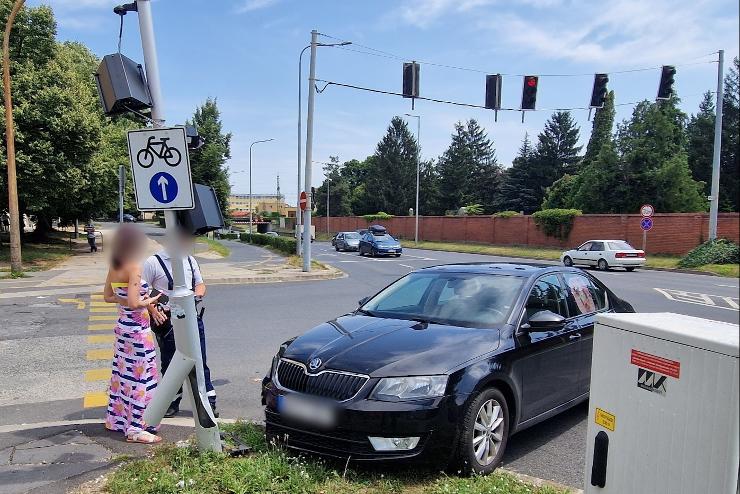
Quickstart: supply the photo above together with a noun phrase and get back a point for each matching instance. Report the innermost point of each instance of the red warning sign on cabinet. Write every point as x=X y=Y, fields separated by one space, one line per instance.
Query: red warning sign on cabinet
x=657 y=364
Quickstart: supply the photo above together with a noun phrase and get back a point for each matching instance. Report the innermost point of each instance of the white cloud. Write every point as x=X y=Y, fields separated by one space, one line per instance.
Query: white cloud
x=251 y=5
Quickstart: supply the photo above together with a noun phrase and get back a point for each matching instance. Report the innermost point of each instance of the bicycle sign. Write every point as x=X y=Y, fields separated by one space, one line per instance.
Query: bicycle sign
x=161 y=169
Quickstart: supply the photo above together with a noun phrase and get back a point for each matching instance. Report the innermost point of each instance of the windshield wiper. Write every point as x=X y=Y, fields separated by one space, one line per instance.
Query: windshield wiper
x=424 y=320
x=366 y=312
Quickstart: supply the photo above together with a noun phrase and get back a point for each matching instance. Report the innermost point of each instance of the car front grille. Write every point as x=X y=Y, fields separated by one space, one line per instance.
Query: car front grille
x=336 y=385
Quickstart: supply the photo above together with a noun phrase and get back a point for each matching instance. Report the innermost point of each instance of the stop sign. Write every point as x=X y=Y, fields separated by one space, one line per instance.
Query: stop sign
x=303 y=201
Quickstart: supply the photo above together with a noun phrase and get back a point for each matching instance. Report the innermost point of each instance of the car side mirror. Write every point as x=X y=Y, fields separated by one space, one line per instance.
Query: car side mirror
x=544 y=320
x=362 y=301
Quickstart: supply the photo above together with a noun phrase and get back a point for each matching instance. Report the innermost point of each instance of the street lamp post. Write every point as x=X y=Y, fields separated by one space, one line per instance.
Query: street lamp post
x=418 y=167
x=328 y=181
x=16 y=265
x=250 y=180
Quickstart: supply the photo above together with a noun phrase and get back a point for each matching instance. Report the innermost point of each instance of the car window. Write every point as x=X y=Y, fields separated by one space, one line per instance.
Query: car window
x=351 y=236
x=597 y=246
x=405 y=296
x=547 y=294
x=619 y=246
x=586 y=246
x=584 y=297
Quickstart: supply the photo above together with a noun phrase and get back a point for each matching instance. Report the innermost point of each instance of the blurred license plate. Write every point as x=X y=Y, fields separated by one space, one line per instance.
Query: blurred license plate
x=310 y=411
x=632 y=255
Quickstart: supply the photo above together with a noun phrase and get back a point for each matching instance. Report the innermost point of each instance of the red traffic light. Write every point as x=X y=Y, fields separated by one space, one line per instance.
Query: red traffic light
x=532 y=81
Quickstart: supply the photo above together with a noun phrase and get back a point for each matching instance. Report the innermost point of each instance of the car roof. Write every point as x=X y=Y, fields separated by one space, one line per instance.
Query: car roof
x=523 y=269
x=600 y=240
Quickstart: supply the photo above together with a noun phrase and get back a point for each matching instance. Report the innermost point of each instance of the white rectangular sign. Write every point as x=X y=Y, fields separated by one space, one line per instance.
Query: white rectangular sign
x=161 y=168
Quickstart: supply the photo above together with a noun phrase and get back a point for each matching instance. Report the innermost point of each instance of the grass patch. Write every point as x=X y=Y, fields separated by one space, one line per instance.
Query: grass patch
x=297 y=262
x=36 y=257
x=214 y=245
x=729 y=270
x=272 y=470
x=546 y=254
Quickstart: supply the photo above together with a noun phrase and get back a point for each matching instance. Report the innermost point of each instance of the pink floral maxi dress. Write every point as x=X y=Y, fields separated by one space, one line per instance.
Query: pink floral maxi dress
x=134 y=375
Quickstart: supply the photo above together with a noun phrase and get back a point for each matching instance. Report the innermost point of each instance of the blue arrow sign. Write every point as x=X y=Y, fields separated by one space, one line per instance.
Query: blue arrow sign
x=646 y=223
x=163 y=187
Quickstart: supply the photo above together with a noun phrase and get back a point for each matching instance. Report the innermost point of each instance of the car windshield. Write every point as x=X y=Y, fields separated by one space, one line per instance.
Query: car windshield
x=620 y=245
x=352 y=236
x=459 y=299
x=384 y=238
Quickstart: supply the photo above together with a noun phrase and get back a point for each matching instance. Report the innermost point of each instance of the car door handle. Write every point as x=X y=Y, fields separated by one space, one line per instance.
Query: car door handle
x=574 y=336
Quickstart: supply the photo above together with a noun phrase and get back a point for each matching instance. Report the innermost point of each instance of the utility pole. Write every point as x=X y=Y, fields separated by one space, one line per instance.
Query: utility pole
x=182 y=300
x=328 y=181
x=16 y=266
x=418 y=173
x=714 y=197
x=121 y=191
x=250 y=179
x=309 y=154
x=300 y=136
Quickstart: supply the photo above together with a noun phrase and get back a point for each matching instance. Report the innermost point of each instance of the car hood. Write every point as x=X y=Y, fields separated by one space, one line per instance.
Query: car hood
x=390 y=347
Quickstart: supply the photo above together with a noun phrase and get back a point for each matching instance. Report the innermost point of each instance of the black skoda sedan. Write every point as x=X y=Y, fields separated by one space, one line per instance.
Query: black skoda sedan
x=444 y=364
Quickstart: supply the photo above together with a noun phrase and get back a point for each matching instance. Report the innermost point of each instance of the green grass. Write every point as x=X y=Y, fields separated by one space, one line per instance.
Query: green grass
x=36 y=257
x=215 y=246
x=729 y=270
x=297 y=262
x=271 y=470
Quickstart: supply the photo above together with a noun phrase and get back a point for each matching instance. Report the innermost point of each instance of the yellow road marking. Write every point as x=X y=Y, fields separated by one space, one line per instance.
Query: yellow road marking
x=101 y=338
x=97 y=374
x=103 y=318
x=100 y=327
x=97 y=399
x=100 y=354
x=104 y=309
x=96 y=296
x=80 y=303
x=102 y=304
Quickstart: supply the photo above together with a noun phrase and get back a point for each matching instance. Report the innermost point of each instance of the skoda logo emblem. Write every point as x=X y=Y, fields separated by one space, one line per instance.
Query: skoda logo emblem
x=315 y=363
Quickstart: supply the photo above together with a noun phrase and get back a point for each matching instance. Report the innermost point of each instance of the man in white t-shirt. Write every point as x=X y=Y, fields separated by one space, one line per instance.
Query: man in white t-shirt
x=157 y=272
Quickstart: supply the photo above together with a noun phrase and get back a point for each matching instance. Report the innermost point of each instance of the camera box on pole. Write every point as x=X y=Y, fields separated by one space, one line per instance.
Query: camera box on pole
x=122 y=85
x=663 y=413
x=207 y=214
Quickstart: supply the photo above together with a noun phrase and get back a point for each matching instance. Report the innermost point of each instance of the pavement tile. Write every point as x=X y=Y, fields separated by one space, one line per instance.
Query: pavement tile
x=5 y=456
x=67 y=437
x=61 y=453
x=16 y=479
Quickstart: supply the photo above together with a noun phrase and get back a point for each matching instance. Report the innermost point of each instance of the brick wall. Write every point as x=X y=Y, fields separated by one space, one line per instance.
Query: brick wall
x=672 y=233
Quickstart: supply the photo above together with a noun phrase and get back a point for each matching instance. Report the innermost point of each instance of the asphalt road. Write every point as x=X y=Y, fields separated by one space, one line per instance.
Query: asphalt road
x=42 y=342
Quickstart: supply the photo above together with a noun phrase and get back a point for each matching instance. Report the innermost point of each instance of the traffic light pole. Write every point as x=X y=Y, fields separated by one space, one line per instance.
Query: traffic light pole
x=309 y=154
x=187 y=363
x=714 y=197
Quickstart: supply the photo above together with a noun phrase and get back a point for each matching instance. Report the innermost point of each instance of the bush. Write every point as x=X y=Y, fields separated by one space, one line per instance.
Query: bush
x=720 y=251
x=377 y=216
x=286 y=245
x=556 y=222
x=506 y=214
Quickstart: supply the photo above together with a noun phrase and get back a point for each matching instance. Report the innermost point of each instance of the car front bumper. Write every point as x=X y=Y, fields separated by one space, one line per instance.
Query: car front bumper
x=434 y=421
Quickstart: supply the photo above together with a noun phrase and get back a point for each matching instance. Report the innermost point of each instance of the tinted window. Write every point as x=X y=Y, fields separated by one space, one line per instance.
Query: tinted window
x=350 y=236
x=597 y=246
x=384 y=238
x=460 y=299
x=547 y=294
x=584 y=296
x=619 y=246
x=586 y=246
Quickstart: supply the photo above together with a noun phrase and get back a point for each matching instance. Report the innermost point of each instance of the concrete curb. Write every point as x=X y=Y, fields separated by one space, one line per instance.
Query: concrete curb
x=332 y=274
x=536 y=481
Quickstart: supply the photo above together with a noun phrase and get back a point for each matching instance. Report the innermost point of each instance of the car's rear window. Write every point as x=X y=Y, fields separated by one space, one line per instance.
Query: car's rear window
x=384 y=238
x=619 y=246
x=352 y=235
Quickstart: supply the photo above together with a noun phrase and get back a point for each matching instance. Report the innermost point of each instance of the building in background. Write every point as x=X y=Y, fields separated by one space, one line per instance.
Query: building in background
x=262 y=204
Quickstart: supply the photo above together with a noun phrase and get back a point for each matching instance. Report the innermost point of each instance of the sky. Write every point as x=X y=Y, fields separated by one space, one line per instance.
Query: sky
x=245 y=53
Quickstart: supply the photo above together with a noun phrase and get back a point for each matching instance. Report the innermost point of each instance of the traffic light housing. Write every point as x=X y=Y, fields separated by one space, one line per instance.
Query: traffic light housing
x=410 y=80
x=665 y=88
x=493 y=92
x=529 y=92
x=598 y=95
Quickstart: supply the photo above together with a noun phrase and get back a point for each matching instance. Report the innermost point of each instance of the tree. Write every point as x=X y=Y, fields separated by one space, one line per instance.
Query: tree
x=557 y=149
x=602 y=130
x=208 y=164
x=729 y=187
x=340 y=198
x=601 y=187
x=517 y=190
x=391 y=179
x=700 y=146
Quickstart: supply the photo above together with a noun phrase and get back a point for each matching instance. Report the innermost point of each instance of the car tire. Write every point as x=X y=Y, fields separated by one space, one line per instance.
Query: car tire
x=602 y=265
x=567 y=261
x=373 y=252
x=398 y=255
x=630 y=269
x=336 y=247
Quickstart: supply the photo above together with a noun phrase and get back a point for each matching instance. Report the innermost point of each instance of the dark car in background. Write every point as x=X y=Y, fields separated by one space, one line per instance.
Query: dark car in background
x=376 y=241
x=344 y=241
x=443 y=365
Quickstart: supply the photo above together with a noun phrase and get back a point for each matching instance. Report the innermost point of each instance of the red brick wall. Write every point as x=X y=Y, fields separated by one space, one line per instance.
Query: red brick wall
x=672 y=233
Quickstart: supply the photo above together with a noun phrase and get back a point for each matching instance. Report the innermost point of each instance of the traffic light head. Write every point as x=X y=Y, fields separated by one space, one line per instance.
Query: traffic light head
x=665 y=88
x=411 y=80
x=598 y=95
x=529 y=92
x=493 y=92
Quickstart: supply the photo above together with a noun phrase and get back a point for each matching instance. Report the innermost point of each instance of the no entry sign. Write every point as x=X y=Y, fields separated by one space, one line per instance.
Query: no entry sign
x=303 y=201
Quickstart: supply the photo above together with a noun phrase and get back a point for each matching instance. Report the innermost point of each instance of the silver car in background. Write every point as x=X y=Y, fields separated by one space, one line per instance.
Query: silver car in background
x=605 y=254
x=347 y=241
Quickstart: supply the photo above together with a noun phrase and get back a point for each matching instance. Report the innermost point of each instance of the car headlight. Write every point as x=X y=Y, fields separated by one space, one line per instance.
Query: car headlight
x=409 y=388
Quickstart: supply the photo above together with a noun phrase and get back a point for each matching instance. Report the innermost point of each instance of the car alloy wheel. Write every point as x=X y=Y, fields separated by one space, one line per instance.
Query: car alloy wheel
x=484 y=433
x=336 y=247
x=488 y=432
x=603 y=265
x=567 y=261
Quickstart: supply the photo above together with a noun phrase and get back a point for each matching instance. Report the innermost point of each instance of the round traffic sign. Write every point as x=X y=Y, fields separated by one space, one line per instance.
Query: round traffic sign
x=646 y=224
x=163 y=187
x=304 y=201
x=647 y=210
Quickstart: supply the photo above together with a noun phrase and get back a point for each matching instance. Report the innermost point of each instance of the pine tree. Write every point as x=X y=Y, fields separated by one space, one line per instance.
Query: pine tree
x=729 y=186
x=700 y=133
x=208 y=164
x=517 y=191
x=602 y=129
x=557 y=148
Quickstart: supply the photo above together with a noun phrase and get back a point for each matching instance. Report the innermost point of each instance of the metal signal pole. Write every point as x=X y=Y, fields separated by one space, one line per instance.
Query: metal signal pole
x=309 y=154
x=16 y=266
x=714 y=198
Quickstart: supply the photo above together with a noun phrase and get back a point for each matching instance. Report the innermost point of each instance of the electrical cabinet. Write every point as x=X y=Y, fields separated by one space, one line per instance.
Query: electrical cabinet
x=663 y=414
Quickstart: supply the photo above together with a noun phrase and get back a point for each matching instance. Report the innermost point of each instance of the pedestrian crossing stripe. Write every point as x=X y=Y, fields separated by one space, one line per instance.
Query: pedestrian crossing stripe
x=96 y=296
x=104 y=309
x=96 y=399
x=102 y=304
x=100 y=354
x=97 y=374
x=103 y=318
x=101 y=338
x=100 y=327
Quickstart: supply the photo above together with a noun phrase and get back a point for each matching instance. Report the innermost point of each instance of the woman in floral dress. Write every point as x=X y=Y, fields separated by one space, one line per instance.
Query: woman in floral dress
x=134 y=375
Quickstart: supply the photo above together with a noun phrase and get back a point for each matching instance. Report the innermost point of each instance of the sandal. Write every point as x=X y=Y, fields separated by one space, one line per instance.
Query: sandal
x=143 y=437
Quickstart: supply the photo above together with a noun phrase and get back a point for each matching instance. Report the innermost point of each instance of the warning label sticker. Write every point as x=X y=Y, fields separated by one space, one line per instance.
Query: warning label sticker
x=605 y=419
x=657 y=364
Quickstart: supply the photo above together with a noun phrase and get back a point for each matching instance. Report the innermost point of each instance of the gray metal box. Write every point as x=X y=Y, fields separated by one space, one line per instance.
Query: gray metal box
x=207 y=214
x=122 y=85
